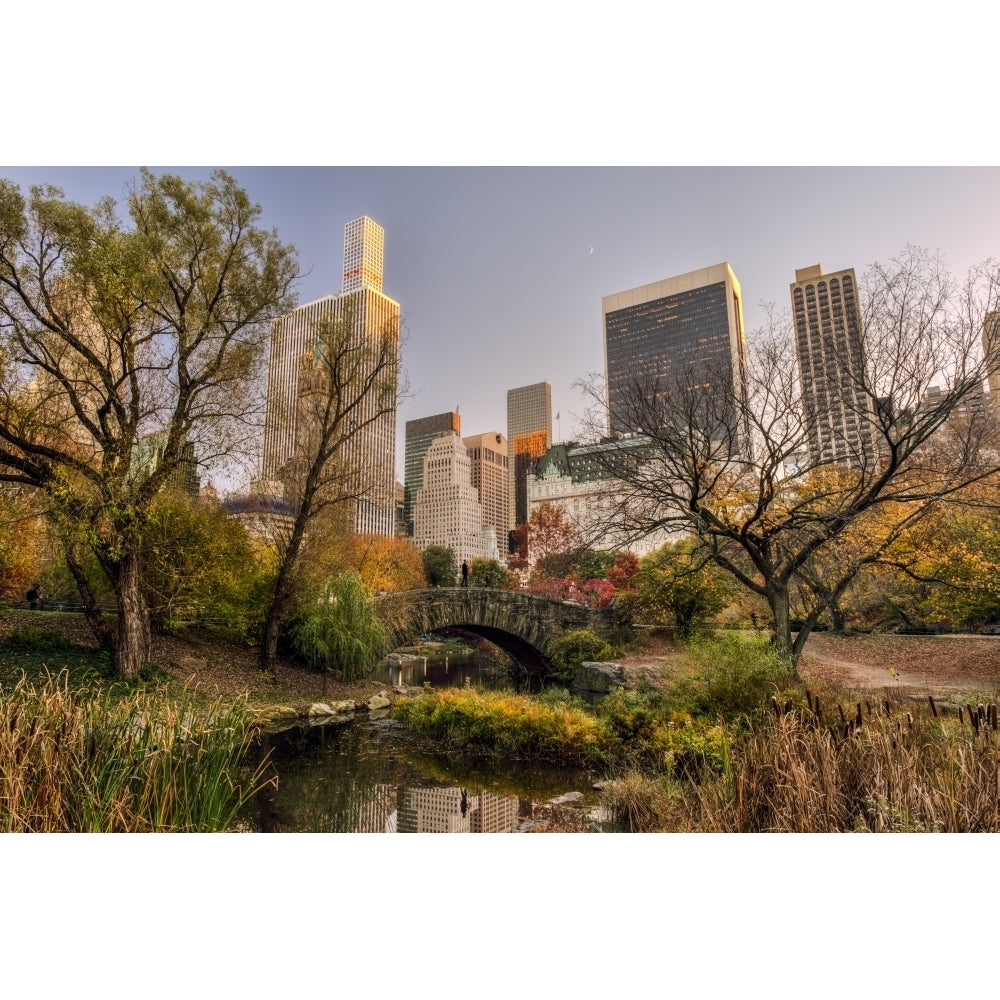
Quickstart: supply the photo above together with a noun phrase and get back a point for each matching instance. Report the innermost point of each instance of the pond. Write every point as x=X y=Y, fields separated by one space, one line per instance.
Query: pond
x=372 y=775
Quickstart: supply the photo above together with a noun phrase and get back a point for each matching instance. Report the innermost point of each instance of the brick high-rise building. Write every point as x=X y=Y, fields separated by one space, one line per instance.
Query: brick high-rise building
x=419 y=435
x=488 y=455
x=447 y=511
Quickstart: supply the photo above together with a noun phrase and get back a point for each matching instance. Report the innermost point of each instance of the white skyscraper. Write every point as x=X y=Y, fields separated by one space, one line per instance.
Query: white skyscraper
x=836 y=398
x=447 y=511
x=293 y=337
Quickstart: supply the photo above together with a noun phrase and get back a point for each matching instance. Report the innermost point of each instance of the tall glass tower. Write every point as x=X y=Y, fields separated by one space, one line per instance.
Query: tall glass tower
x=529 y=435
x=293 y=336
x=685 y=331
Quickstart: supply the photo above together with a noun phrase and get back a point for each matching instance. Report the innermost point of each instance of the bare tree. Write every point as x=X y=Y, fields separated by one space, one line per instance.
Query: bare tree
x=349 y=386
x=125 y=343
x=766 y=505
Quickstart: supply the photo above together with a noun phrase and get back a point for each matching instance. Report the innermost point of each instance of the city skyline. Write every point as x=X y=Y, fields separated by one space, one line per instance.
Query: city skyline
x=501 y=271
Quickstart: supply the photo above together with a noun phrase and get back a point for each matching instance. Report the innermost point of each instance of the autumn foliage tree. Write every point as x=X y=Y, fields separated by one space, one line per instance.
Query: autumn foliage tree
x=729 y=461
x=385 y=564
x=24 y=538
x=124 y=336
x=202 y=569
x=554 y=542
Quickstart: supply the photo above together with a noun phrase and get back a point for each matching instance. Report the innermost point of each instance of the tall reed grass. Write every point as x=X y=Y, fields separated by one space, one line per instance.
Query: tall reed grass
x=72 y=762
x=886 y=767
x=893 y=770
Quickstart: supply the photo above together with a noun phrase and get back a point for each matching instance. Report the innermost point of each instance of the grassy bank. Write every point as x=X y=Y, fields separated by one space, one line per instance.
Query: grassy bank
x=81 y=752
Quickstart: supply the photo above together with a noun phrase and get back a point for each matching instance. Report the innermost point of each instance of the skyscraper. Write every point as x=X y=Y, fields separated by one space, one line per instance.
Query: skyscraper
x=837 y=407
x=529 y=435
x=488 y=455
x=447 y=510
x=364 y=251
x=419 y=435
x=686 y=330
x=293 y=337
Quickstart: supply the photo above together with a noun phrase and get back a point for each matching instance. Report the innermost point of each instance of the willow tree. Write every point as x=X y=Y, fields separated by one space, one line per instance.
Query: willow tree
x=126 y=343
x=733 y=462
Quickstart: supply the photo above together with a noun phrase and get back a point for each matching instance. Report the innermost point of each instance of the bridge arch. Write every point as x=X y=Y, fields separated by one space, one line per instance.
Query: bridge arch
x=522 y=625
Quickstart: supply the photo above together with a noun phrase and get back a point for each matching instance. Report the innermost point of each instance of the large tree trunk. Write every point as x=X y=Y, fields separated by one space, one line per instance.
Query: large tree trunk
x=839 y=621
x=283 y=588
x=132 y=637
x=272 y=623
x=92 y=610
x=778 y=601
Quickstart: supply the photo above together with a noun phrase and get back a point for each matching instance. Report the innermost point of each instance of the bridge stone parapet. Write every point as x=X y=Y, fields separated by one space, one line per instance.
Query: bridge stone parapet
x=523 y=625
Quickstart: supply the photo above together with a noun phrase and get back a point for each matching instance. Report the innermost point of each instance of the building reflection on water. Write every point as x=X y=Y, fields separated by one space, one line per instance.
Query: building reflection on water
x=366 y=776
x=438 y=810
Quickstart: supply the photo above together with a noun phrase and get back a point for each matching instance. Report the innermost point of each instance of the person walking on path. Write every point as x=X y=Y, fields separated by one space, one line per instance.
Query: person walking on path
x=465 y=573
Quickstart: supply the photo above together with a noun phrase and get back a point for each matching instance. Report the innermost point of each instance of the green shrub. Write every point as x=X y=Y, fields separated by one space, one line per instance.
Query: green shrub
x=515 y=725
x=737 y=679
x=201 y=569
x=652 y=734
x=575 y=647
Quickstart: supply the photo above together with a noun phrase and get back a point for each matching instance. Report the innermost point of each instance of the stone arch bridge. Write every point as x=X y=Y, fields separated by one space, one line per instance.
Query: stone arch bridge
x=522 y=625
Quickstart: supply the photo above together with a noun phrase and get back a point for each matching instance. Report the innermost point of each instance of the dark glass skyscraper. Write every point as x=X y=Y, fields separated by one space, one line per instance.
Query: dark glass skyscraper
x=685 y=331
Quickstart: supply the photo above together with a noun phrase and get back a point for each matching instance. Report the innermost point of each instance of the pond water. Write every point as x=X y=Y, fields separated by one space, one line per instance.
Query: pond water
x=444 y=668
x=372 y=775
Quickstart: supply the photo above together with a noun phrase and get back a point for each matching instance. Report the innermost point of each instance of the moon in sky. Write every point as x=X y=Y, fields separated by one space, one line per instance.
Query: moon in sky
x=591 y=250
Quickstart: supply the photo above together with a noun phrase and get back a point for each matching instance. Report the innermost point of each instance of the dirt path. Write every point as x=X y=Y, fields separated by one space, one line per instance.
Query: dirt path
x=928 y=664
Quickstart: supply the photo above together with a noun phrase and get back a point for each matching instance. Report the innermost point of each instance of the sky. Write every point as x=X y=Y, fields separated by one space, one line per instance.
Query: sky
x=499 y=272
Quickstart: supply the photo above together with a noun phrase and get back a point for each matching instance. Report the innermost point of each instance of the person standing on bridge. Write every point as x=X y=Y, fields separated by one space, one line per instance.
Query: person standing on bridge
x=465 y=573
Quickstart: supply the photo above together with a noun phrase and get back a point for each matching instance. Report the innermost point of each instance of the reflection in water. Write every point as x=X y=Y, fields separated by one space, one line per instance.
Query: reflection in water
x=454 y=810
x=373 y=777
x=446 y=670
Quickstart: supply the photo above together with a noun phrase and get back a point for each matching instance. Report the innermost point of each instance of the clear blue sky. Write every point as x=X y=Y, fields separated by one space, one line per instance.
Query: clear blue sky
x=494 y=271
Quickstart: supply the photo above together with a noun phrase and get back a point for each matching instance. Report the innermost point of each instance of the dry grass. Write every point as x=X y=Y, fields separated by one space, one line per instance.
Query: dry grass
x=75 y=763
x=887 y=767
